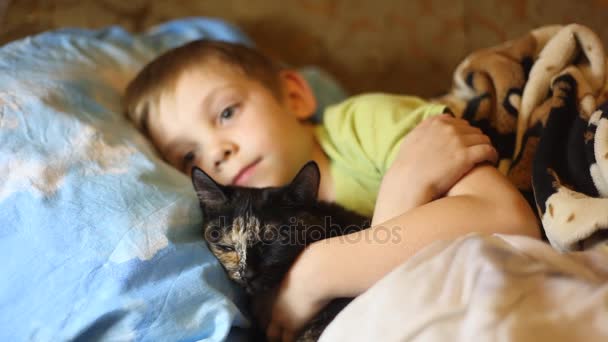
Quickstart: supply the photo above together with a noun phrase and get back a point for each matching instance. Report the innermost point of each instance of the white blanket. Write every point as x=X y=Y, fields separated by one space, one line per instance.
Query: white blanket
x=484 y=288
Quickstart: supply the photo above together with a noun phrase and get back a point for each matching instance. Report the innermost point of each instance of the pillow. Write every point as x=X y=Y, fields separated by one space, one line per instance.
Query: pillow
x=99 y=237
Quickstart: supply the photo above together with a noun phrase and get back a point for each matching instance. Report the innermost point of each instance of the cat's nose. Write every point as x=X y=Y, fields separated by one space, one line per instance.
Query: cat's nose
x=249 y=274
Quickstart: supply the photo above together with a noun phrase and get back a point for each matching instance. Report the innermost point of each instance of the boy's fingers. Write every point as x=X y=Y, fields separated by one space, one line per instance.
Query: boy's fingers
x=261 y=310
x=466 y=129
x=453 y=119
x=480 y=153
x=273 y=333
x=475 y=139
x=287 y=336
x=459 y=124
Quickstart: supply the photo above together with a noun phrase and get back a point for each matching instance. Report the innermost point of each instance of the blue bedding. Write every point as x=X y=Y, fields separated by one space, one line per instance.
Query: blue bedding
x=99 y=237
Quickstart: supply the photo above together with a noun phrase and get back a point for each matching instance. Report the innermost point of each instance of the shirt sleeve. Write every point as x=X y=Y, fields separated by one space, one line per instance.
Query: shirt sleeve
x=365 y=131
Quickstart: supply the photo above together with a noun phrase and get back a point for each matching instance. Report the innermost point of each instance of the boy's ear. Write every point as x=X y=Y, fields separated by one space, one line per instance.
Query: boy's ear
x=210 y=194
x=304 y=188
x=298 y=94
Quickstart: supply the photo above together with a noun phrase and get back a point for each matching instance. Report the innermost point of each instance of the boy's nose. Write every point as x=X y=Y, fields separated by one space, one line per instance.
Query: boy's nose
x=223 y=153
x=222 y=158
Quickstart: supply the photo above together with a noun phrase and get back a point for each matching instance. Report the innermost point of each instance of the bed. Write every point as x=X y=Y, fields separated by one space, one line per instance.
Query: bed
x=100 y=238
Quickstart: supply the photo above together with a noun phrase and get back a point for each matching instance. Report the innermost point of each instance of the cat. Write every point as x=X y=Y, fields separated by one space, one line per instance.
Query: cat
x=257 y=233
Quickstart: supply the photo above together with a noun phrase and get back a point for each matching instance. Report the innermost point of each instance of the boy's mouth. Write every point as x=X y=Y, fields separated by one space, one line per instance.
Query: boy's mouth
x=245 y=173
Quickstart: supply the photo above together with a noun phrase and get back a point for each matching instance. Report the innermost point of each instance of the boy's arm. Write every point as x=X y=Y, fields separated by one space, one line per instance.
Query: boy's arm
x=431 y=160
x=482 y=201
x=437 y=159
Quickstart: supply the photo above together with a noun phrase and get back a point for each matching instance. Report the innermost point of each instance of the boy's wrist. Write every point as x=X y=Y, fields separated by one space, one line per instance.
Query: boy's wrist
x=399 y=192
x=315 y=269
x=412 y=178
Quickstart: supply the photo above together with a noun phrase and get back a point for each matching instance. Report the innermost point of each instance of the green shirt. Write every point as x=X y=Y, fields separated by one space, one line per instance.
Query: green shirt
x=361 y=136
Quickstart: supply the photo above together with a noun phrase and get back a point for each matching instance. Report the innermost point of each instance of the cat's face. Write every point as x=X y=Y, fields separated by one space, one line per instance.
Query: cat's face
x=256 y=234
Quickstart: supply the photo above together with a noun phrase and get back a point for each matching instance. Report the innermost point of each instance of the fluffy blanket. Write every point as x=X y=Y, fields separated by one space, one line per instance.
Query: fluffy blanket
x=542 y=100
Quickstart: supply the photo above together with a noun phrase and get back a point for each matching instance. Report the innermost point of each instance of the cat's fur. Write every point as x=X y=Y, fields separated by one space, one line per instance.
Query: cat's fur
x=257 y=233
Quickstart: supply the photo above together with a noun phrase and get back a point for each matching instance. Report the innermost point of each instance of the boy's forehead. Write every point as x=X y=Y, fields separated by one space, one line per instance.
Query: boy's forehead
x=177 y=105
x=210 y=72
x=202 y=81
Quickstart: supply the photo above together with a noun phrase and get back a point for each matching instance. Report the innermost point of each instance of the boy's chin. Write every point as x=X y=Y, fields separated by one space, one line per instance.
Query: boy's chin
x=268 y=174
x=265 y=180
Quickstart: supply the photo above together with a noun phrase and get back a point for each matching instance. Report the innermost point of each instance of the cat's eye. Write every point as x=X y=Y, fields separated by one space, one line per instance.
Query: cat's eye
x=225 y=248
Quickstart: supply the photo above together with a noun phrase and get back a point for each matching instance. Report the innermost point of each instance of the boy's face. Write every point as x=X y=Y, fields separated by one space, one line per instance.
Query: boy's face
x=233 y=128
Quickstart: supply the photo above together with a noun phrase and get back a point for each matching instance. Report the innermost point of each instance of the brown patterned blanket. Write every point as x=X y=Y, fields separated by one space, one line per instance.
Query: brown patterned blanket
x=542 y=99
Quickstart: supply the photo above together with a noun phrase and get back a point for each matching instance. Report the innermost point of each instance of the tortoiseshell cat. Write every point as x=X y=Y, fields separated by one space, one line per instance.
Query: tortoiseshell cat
x=257 y=233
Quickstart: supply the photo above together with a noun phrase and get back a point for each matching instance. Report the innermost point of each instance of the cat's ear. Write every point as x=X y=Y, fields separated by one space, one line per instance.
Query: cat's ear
x=210 y=194
x=304 y=188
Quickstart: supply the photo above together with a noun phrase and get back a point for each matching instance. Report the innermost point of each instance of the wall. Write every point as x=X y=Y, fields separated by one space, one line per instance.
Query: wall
x=381 y=45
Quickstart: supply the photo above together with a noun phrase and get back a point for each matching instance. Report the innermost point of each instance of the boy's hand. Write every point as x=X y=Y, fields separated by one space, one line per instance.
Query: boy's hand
x=297 y=301
x=442 y=149
x=432 y=158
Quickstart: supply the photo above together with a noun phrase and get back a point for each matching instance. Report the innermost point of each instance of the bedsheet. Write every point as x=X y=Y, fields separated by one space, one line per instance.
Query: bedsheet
x=484 y=288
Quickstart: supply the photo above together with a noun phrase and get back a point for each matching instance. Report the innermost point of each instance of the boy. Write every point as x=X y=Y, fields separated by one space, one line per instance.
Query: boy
x=244 y=120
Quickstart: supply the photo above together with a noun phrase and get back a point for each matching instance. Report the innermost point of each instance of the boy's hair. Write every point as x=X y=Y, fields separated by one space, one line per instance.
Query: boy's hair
x=161 y=75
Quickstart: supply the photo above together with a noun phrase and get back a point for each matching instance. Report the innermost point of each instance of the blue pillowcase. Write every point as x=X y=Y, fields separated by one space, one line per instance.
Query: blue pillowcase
x=99 y=237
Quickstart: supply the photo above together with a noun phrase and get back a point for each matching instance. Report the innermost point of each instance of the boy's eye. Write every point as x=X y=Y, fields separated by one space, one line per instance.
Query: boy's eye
x=227 y=113
x=188 y=158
